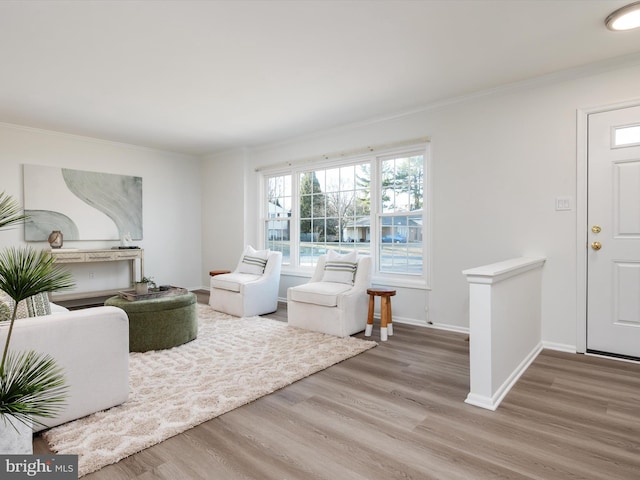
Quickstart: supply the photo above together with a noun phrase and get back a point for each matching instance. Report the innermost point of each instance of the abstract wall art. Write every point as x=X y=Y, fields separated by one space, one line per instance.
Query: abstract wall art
x=82 y=205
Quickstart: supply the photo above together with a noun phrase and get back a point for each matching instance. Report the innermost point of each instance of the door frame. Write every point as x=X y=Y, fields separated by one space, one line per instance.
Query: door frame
x=582 y=169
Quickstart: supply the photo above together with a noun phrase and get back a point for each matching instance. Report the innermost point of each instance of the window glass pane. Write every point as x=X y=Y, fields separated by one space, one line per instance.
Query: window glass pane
x=393 y=229
x=400 y=234
x=402 y=184
x=357 y=230
x=387 y=176
x=626 y=136
x=414 y=229
x=362 y=202
x=347 y=178
x=415 y=182
x=332 y=180
x=330 y=208
x=401 y=258
x=278 y=224
x=401 y=244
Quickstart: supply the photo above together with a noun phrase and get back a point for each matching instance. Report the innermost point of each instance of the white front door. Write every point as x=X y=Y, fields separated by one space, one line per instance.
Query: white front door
x=613 y=265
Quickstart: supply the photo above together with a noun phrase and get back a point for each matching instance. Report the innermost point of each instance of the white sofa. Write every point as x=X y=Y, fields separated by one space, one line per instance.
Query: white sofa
x=92 y=347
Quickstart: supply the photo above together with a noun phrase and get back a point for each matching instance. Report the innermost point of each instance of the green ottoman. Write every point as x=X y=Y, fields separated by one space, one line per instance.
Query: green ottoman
x=159 y=323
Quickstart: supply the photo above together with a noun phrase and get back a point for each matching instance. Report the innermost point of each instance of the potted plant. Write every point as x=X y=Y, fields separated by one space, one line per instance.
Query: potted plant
x=31 y=384
x=142 y=286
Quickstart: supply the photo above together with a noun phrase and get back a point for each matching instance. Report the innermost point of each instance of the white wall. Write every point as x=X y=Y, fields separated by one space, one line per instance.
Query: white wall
x=171 y=200
x=224 y=222
x=499 y=161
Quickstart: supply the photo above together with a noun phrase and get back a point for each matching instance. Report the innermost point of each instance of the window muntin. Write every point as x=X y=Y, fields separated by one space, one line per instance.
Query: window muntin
x=373 y=204
x=402 y=180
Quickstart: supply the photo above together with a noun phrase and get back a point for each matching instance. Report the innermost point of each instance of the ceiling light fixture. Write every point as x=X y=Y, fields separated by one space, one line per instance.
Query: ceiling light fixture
x=624 y=18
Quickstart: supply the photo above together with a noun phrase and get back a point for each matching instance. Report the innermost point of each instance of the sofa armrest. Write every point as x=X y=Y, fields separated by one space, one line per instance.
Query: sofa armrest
x=92 y=348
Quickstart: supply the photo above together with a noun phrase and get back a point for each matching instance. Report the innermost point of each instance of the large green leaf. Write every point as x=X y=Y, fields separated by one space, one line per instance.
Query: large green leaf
x=9 y=211
x=25 y=272
x=31 y=386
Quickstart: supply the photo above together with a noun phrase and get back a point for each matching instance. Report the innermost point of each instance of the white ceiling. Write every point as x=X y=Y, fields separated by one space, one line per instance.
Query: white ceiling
x=207 y=76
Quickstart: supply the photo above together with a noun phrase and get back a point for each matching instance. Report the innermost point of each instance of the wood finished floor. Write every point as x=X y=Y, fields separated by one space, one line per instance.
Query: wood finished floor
x=397 y=411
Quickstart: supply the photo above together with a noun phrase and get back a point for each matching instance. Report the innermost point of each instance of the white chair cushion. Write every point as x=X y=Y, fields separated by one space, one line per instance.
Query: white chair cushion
x=232 y=281
x=340 y=268
x=319 y=293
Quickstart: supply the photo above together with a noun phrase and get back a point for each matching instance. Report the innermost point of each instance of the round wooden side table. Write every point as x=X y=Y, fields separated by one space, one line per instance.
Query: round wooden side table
x=386 y=320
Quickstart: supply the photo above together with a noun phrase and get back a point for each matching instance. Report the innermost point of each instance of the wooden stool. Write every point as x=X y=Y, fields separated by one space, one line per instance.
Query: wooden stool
x=386 y=321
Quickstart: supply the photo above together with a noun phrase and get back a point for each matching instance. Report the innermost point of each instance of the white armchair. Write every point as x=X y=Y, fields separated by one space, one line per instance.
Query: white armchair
x=248 y=291
x=331 y=307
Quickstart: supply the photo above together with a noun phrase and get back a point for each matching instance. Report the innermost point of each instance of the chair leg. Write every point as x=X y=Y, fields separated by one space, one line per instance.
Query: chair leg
x=369 y=329
x=384 y=318
x=389 y=318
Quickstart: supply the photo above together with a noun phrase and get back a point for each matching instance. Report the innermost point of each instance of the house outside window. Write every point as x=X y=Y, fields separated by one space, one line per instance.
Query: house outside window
x=374 y=204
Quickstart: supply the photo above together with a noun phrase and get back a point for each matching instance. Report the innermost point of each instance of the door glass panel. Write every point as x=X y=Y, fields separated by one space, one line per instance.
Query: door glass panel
x=626 y=136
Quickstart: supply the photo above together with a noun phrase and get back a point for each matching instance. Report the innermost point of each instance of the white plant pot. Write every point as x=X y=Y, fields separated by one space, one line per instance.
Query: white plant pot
x=16 y=437
x=142 y=288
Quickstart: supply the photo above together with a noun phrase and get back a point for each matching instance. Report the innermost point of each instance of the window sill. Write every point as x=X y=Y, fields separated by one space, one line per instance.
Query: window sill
x=416 y=283
x=298 y=272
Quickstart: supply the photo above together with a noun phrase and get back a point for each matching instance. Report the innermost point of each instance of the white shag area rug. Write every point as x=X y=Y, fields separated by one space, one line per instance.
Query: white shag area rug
x=232 y=362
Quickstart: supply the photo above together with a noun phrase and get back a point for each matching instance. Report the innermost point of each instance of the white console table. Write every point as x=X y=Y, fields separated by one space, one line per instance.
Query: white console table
x=100 y=255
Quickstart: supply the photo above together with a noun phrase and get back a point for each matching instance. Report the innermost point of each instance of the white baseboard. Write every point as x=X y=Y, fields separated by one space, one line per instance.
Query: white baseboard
x=449 y=328
x=423 y=323
x=560 y=347
x=406 y=320
x=492 y=403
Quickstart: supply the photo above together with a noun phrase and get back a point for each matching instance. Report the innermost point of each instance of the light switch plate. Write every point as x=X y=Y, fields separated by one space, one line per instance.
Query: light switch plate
x=563 y=203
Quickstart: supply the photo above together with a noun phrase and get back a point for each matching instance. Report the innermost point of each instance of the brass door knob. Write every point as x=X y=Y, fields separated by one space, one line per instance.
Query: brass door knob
x=596 y=229
x=596 y=245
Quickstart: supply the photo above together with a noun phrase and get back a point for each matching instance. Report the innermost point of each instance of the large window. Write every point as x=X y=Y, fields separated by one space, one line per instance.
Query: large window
x=373 y=204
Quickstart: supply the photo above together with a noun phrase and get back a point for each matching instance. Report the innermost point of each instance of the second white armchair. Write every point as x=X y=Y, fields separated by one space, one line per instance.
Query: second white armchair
x=331 y=302
x=252 y=288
